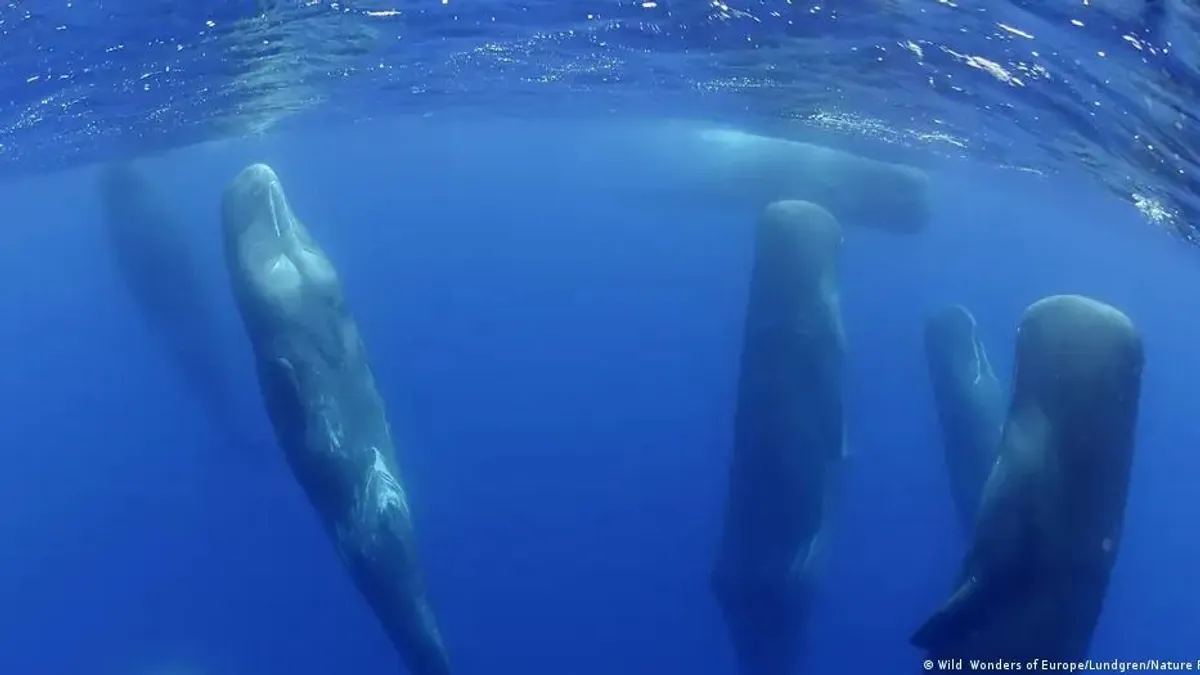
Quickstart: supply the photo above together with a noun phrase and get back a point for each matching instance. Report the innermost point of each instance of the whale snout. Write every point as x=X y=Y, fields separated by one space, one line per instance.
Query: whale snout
x=1080 y=361
x=951 y=340
x=265 y=242
x=255 y=207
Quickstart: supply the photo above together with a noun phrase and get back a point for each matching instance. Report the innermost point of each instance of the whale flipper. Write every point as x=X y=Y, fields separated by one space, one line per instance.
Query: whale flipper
x=959 y=614
x=995 y=574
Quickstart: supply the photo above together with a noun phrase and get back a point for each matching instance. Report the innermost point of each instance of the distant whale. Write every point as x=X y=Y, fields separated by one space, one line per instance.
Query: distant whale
x=788 y=436
x=1050 y=522
x=970 y=405
x=163 y=273
x=322 y=402
x=707 y=163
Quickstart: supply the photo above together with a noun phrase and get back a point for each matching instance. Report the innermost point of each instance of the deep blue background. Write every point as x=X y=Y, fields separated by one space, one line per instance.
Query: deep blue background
x=559 y=359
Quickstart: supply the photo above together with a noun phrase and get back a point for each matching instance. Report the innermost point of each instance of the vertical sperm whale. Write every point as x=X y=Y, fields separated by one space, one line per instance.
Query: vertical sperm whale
x=164 y=274
x=1049 y=526
x=328 y=416
x=970 y=405
x=788 y=436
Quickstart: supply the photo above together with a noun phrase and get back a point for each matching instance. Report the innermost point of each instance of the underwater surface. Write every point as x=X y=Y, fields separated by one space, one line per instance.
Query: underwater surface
x=540 y=249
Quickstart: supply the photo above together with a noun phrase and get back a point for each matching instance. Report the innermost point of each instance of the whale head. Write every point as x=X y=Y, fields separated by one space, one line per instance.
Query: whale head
x=268 y=249
x=1079 y=363
x=953 y=347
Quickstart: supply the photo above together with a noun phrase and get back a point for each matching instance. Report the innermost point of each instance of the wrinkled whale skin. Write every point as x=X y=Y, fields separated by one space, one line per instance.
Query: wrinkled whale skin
x=327 y=414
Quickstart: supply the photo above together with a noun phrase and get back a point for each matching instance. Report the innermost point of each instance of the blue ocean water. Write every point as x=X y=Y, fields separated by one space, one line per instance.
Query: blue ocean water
x=557 y=341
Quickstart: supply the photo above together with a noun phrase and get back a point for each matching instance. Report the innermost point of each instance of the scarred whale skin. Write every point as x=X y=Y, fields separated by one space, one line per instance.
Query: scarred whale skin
x=1050 y=522
x=970 y=405
x=788 y=436
x=327 y=414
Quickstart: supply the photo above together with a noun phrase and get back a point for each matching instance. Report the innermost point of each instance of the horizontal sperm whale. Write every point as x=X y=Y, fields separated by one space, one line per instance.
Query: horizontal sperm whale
x=717 y=165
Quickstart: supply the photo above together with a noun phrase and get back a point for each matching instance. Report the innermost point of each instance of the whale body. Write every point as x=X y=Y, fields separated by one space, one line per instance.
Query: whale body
x=788 y=437
x=970 y=405
x=323 y=404
x=1050 y=522
x=722 y=166
x=164 y=275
